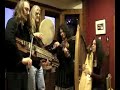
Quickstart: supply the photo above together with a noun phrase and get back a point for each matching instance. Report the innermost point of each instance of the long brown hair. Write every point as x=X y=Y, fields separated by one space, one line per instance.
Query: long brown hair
x=32 y=18
x=66 y=30
x=100 y=54
x=19 y=13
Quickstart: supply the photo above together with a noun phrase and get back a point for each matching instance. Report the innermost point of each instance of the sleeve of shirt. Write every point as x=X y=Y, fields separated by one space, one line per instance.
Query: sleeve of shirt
x=10 y=38
x=103 y=71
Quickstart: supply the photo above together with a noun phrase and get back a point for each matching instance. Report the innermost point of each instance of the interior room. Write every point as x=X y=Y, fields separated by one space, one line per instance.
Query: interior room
x=96 y=18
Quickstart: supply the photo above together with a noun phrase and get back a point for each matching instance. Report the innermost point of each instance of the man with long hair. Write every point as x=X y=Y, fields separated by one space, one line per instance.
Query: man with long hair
x=16 y=62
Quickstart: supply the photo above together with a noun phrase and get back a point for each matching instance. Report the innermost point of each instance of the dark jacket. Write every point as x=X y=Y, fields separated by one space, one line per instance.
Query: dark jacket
x=99 y=75
x=14 y=56
x=65 y=72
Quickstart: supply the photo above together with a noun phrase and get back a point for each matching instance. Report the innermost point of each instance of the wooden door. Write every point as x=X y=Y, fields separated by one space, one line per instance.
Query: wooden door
x=80 y=45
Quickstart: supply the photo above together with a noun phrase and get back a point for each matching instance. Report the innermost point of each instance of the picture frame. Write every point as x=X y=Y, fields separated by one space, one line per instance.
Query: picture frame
x=100 y=27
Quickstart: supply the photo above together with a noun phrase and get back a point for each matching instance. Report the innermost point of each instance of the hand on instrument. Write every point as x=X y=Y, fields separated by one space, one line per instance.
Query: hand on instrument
x=85 y=69
x=66 y=52
x=65 y=49
x=38 y=34
x=45 y=62
x=56 y=44
x=65 y=44
x=27 y=61
x=46 y=65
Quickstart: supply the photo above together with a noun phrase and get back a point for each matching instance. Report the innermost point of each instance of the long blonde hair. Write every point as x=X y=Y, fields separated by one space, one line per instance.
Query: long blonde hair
x=32 y=18
x=19 y=13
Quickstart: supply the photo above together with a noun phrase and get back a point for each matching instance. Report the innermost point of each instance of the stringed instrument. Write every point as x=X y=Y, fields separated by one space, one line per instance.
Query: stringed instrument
x=24 y=46
x=108 y=82
x=86 y=79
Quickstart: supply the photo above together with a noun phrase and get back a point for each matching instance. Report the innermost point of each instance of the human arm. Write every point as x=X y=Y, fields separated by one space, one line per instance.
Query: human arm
x=10 y=38
x=38 y=35
x=99 y=73
x=92 y=74
x=11 y=46
x=103 y=71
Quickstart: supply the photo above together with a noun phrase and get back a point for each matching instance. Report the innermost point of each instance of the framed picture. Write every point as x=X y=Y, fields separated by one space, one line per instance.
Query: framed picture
x=100 y=27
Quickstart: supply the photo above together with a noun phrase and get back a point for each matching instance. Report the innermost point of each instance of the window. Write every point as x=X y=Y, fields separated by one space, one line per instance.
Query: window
x=8 y=14
x=72 y=21
x=51 y=18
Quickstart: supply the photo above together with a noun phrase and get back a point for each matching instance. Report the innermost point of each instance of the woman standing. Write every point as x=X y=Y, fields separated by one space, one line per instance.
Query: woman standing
x=64 y=49
x=36 y=76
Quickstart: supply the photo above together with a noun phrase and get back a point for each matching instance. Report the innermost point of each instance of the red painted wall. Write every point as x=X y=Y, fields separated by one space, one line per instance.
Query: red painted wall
x=97 y=10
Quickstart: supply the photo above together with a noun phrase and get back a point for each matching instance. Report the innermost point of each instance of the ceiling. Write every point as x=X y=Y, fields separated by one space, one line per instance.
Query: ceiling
x=62 y=4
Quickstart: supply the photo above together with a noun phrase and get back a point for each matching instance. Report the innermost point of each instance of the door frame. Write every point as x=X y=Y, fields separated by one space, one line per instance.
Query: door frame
x=77 y=61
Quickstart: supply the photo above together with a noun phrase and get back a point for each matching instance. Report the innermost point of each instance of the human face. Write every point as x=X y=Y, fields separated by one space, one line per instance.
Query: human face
x=26 y=9
x=94 y=46
x=37 y=14
x=62 y=34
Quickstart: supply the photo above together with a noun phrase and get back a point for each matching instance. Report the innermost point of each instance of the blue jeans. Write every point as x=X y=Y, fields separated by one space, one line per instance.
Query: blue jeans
x=36 y=78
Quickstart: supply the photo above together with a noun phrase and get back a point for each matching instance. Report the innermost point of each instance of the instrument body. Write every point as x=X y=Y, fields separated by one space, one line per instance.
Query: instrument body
x=24 y=46
x=85 y=79
x=108 y=82
x=47 y=28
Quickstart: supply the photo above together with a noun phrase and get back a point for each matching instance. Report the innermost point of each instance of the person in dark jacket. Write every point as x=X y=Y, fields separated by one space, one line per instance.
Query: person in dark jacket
x=64 y=49
x=16 y=61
